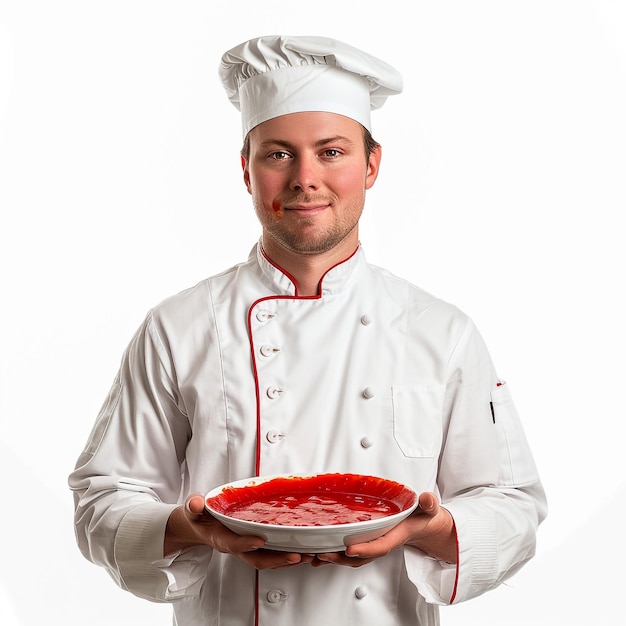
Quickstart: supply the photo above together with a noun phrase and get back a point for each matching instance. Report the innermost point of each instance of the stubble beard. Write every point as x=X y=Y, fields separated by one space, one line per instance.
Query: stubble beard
x=311 y=243
x=308 y=239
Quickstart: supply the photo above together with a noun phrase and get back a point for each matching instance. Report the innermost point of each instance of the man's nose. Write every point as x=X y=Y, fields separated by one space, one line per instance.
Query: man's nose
x=305 y=174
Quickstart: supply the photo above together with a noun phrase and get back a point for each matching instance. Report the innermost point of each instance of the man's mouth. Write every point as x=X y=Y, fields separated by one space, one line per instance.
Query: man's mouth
x=305 y=207
x=305 y=204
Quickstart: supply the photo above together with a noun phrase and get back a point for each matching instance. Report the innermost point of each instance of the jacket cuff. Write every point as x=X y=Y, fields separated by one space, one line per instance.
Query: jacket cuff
x=139 y=550
x=477 y=546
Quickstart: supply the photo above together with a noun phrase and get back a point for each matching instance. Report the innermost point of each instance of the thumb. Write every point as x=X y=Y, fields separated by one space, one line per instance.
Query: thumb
x=428 y=503
x=194 y=504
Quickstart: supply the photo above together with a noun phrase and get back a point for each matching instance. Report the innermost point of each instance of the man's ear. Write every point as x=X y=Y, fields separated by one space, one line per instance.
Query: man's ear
x=246 y=174
x=373 y=167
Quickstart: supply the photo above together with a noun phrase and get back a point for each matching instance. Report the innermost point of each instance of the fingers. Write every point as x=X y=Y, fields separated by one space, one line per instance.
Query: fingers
x=224 y=540
x=271 y=559
x=340 y=558
x=378 y=547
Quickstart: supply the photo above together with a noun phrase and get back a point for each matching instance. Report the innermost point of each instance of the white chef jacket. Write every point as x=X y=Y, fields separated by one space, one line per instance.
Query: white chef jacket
x=240 y=376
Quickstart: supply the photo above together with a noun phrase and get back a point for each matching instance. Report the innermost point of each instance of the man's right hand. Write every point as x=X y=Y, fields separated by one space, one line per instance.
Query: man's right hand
x=192 y=525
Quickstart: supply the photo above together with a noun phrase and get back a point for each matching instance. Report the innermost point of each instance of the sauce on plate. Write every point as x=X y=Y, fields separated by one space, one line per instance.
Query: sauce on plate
x=321 y=500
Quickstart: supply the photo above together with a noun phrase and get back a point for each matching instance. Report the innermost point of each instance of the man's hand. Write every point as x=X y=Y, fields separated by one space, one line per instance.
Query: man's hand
x=430 y=528
x=191 y=525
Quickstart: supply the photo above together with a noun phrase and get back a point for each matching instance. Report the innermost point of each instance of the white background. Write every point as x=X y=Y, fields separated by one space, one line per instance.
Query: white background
x=502 y=190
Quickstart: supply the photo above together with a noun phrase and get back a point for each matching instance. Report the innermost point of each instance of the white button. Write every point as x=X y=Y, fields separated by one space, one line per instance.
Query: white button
x=360 y=592
x=366 y=442
x=369 y=392
x=274 y=392
x=267 y=350
x=273 y=436
x=276 y=595
x=263 y=315
x=366 y=319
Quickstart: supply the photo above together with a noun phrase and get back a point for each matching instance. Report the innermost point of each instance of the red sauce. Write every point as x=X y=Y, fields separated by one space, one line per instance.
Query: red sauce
x=322 y=500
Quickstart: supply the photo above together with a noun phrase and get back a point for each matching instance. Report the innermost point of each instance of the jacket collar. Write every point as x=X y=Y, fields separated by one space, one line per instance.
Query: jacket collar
x=282 y=283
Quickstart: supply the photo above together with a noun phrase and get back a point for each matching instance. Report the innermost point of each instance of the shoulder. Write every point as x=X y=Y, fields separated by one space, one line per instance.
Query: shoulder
x=425 y=318
x=191 y=311
x=201 y=295
x=412 y=296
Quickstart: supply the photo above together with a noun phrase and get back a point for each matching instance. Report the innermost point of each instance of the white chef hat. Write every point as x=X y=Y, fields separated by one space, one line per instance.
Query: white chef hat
x=276 y=75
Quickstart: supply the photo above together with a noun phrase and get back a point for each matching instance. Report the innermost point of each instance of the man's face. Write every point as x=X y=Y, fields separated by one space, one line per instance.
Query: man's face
x=307 y=174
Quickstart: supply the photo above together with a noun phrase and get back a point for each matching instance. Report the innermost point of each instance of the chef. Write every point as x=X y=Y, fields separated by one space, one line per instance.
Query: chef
x=306 y=358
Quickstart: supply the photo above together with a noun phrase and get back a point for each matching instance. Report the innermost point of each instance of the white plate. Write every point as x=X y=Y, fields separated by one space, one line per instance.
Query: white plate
x=313 y=539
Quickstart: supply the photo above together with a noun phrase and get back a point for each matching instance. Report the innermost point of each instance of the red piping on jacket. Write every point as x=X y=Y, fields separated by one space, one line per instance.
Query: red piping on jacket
x=257 y=462
x=456 y=576
x=257 y=465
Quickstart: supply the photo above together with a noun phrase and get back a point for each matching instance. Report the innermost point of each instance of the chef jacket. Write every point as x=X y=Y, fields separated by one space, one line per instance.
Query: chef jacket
x=240 y=376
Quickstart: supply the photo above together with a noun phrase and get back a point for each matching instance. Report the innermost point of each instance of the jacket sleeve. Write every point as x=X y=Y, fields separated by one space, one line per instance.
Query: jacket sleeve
x=487 y=480
x=128 y=478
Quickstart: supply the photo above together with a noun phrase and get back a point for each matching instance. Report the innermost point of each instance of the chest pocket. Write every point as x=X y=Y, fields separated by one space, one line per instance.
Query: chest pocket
x=417 y=419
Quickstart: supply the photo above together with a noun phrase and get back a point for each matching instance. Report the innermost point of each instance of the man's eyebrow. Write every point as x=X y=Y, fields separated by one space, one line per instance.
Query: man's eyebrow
x=276 y=142
x=318 y=144
x=335 y=139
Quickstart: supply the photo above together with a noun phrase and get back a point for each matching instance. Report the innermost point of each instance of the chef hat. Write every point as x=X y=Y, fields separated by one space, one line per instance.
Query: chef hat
x=276 y=75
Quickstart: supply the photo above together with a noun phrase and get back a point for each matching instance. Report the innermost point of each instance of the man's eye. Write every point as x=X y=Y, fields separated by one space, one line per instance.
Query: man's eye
x=279 y=156
x=332 y=153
